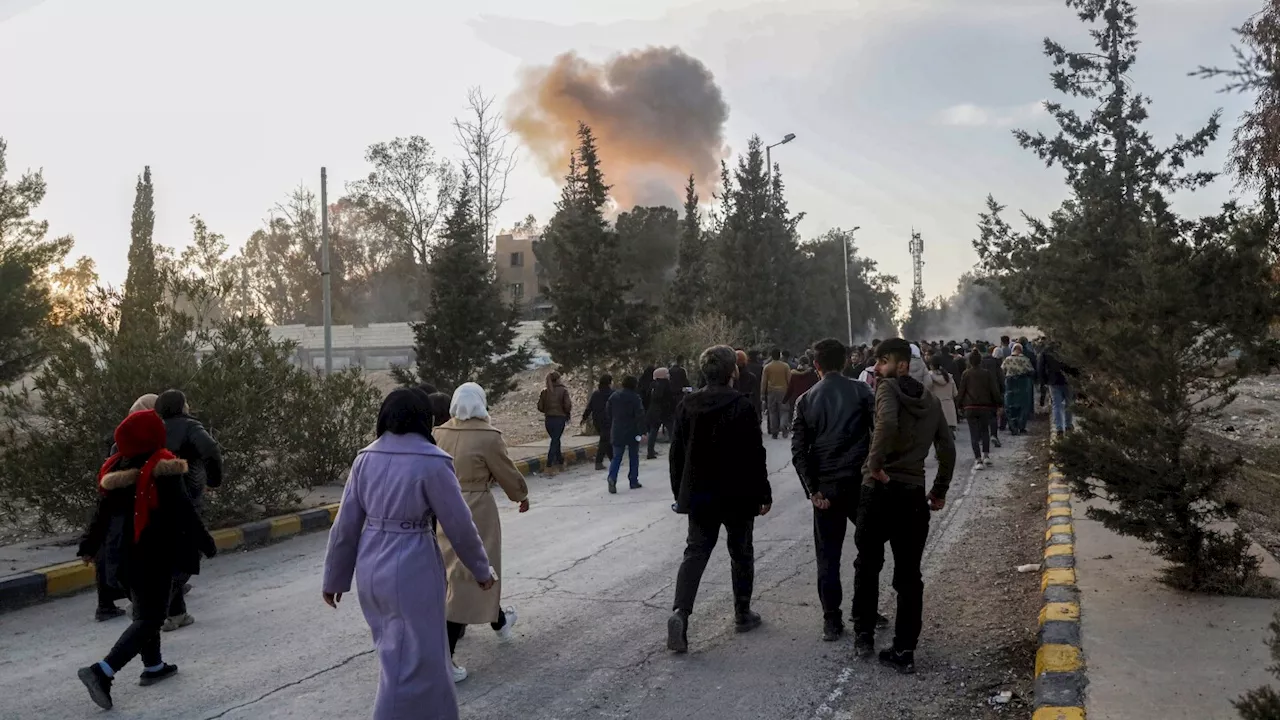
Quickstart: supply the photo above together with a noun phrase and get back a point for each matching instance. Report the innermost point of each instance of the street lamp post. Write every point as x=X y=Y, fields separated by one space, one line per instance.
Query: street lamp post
x=848 y=303
x=768 y=157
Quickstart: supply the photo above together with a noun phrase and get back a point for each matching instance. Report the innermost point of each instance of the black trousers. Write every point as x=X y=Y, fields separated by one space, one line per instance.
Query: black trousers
x=457 y=630
x=150 y=597
x=981 y=423
x=829 y=528
x=898 y=514
x=704 y=531
x=604 y=448
x=178 y=601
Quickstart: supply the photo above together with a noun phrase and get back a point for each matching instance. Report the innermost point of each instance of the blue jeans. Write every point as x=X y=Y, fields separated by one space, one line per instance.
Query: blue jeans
x=1062 y=397
x=615 y=465
x=555 y=428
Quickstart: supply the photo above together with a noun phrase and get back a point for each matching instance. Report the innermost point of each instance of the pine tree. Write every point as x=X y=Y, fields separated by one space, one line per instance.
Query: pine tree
x=143 y=287
x=688 y=295
x=468 y=332
x=591 y=324
x=1108 y=277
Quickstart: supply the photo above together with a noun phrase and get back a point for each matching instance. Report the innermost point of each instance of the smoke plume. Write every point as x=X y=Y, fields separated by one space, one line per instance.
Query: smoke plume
x=657 y=113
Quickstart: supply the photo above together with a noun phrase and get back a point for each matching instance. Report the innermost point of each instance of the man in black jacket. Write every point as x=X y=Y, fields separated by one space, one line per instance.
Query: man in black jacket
x=830 y=438
x=187 y=438
x=719 y=476
x=679 y=376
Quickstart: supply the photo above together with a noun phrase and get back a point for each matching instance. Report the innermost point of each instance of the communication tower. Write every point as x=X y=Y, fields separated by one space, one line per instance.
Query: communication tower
x=917 y=265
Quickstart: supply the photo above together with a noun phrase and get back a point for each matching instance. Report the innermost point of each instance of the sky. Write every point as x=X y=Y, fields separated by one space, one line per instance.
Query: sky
x=902 y=109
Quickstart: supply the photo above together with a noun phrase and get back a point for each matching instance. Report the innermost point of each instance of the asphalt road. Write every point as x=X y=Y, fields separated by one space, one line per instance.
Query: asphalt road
x=591 y=575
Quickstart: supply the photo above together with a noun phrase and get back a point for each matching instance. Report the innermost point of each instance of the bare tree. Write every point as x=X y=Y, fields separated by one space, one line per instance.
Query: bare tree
x=486 y=153
x=407 y=191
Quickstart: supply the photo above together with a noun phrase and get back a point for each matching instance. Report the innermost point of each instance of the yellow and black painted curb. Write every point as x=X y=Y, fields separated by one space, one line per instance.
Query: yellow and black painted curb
x=1060 y=671
x=68 y=578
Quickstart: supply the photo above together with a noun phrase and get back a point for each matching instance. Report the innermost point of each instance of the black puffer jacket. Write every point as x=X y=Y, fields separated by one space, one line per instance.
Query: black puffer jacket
x=172 y=541
x=187 y=438
x=831 y=435
x=718 y=462
x=662 y=401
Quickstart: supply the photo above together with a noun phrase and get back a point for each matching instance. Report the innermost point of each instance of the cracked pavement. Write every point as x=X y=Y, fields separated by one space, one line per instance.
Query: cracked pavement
x=591 y=575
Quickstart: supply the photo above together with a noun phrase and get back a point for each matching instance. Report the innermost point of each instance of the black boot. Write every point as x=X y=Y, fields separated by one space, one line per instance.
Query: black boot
x=110 y=612
x=98 y=685
x=903 y=660
x=151 y=678
x=743 y=619
x=678 y=632
x=832 y=630
x=865 y=645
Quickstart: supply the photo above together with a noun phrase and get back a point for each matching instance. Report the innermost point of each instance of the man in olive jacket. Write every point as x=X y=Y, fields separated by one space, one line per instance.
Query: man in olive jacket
x=719 y=476
x=894 y=507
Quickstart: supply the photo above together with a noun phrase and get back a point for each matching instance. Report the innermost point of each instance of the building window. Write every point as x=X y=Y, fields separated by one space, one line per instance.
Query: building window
x=517 y=259
x=517 y=292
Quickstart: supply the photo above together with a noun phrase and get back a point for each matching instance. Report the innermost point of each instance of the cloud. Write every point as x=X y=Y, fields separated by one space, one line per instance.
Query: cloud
x=971 y=115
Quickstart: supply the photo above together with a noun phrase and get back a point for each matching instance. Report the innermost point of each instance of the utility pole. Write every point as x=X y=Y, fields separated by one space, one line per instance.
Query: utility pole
x=917 y=266
x=324 y=271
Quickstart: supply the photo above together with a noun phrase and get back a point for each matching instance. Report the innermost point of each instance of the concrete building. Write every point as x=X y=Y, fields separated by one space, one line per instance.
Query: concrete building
x=519 y=273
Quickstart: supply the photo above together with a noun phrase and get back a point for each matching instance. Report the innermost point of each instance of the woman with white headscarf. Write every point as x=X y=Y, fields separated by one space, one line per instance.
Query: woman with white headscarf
x=481 y=461
x=918 y=369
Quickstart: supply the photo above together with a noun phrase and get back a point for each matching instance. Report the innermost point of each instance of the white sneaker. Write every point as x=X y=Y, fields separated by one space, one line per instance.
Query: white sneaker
x=504 y=632
x=977 y=464
x=986 y=460
x=459 y=673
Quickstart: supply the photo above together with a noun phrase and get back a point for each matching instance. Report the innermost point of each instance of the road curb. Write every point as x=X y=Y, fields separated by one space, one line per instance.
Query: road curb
x=1060 y=669
x=26 y=588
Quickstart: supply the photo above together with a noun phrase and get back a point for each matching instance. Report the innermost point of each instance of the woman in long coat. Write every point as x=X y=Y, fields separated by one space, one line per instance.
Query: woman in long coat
x=481 y=459
x=383 y=533
x=943 y=386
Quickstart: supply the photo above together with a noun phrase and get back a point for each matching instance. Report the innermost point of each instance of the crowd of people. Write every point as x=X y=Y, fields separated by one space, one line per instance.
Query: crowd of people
x=860 y=422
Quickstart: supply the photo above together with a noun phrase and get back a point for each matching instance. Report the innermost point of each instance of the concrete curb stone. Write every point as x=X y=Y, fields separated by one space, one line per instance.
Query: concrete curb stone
x=1060 y=679
x=26 y=588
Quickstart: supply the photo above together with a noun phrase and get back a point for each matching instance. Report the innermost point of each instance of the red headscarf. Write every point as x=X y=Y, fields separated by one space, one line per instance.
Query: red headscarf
x=142 y=433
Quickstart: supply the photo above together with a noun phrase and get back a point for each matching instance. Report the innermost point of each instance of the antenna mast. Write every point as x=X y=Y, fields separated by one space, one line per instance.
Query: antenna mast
x=917 y=266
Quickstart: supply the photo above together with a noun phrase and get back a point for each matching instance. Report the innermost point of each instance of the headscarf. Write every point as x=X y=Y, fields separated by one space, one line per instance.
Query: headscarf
x=439 y=403
x=145 y=402
x=661 y=374
x=469 y=403
x=140 y=435
x=406 y=411
x=915 y=351
x=742 y=357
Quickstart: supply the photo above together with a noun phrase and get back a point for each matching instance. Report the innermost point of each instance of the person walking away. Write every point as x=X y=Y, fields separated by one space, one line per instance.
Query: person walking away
x=107 y=593
x=1019 y=390
x=1055 y=375
x=919 y=370
x=943 y=387
x=383 y=537
x=146 y=526
x=747 y=382
x=773 y=387
x=644 y=382
x=980 y=398
x=554 y=402
x=894 y=507
x=481 y=461
x=598 y=413
x=802 y=379
x=1005 y=349
x=627 y=418
x=187 y=438
x=830 y=439
x=993 y=362
x=719 y=477
x=662 y=406
x=680 y=377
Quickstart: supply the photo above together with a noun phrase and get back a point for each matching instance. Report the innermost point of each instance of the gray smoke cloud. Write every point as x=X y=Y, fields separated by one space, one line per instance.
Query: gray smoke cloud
x=657 y=113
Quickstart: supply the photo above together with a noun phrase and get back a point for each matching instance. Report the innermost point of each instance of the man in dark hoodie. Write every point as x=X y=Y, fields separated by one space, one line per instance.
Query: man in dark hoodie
x=830 y=438
x=719 y=476
x=188 y=440
x=679 y=376
x=894 y=507
x=626 y=425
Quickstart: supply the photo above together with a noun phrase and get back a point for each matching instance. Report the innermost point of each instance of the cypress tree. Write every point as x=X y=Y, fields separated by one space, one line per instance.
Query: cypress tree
x=468 y=332
x=143 y=287
x=688 y=294
x=591 y=323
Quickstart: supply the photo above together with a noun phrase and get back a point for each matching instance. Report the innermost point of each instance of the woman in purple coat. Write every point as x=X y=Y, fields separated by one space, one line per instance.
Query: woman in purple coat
x=383 y=533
